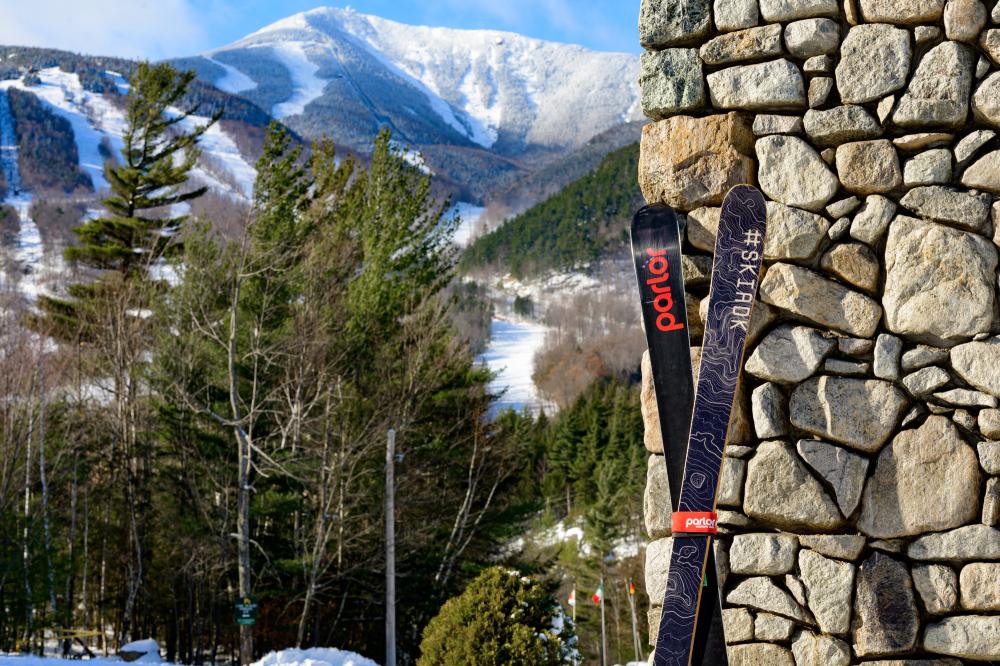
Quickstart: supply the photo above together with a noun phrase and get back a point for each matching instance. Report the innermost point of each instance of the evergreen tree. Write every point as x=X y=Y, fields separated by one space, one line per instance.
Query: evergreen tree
x=140 y=227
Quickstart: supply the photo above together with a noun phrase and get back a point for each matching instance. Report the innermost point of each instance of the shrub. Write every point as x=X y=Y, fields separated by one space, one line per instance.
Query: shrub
x=501 y=618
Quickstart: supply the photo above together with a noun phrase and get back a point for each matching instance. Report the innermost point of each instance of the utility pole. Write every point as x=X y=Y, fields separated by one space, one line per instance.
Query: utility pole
x=390 y=549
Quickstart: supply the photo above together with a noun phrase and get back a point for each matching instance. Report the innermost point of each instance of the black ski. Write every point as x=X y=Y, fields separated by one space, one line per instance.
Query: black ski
x=735 y=274
x=656 y=250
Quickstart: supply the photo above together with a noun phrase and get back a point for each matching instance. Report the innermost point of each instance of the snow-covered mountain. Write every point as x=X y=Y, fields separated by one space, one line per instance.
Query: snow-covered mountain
x=473 y=101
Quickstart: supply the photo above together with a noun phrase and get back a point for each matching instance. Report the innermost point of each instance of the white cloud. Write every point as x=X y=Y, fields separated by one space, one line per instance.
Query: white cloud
x=151 y=29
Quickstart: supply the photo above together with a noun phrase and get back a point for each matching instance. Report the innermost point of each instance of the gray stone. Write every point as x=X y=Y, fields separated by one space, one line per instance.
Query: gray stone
x=789 y=354
x=869 y=167
x=914 y=662
x=855 y=346
x=921 y=140
x=885 y=107
x=972 y=542
x=990 y=41
x=791 y=172
x=931 y=167
x=854 y=263
x=776 y=84
x=669 y=23
x=967 y=210
x=982 y=66
x=937 y=586
x=819 y=91
x=762 y=554
x=770 y=412
x=839 y=546
x=793 y=233
x=738 y=625
x=656 y=505
x=812 y=37
x=697 y=269
x=836 y=366
x=735 y=14
x=938 y=94
x=966 y=398
x=912 y=416
x=703 y=227
x=731 y=482
x=980 y=583
x=974 y=637
x=733 y=519
x=829 y=584
x=743 y=45
x=834 y=126
x=923 y=355
x=872 y=221
x=769 y=123
x=995 y=14
x=925 y=34
x=812 y=649
x=887 y=351
x=894 y=546
x=818 y=65
x=843 y=208
x=671 y=82
x=989 y=423
x=991 y=503
x=843 y=471
x=780 y=11
x=925 y=381
x=927 y=480
x=652 y=438
x=874 y=61
x=829 y=304
x=657 y=566
x=939 y=286
x=858 y=413
x=798 y=590
x=738 y=451
x=769 y=627
x=964 y=419
x=762 y=594
x=964 y=19
x=989 y=456
x=978 y=363
x=971 y=143
x=780 y=491
x=886 y=620
x=985 y=102
x=984 y=174
x=840 y=229
x=759 y=654
x=906 y=12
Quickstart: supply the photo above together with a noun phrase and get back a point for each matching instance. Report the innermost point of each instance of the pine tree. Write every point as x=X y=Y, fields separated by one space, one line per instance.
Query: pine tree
x=126 y=245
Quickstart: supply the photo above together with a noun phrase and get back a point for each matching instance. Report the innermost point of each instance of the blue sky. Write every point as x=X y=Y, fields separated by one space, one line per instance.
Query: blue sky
x=165 y=28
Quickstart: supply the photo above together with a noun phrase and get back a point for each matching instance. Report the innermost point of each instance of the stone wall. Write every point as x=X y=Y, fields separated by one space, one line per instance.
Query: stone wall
x=861 y=489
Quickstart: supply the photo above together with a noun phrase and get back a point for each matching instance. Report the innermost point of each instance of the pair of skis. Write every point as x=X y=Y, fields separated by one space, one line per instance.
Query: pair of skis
x=691 y=629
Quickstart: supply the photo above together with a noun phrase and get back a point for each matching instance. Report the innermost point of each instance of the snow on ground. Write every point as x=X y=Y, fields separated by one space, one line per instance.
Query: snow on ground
x=290 y=657
x=511 y=354
x=306 y=86
x=233 y=81
x=314 y=657
x=469 y=215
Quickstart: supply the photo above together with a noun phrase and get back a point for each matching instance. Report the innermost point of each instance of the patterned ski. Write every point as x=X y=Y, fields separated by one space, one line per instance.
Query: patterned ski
x=656 y=250
x=735 y=275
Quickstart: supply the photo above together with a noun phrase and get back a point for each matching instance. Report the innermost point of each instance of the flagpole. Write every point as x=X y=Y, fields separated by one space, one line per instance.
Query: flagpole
x=604 y=638
x=574 y=605
x=639 y=656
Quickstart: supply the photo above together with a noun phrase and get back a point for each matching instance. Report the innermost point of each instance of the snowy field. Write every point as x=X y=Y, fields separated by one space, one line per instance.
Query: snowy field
x=511 y=354
x=290 y=657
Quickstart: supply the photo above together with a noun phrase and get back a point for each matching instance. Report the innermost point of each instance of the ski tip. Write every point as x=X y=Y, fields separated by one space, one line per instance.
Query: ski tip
x=653 y=215
x=747 y=195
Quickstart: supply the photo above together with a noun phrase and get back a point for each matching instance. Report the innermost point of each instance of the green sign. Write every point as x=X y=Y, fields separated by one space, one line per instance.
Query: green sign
x=246 y=610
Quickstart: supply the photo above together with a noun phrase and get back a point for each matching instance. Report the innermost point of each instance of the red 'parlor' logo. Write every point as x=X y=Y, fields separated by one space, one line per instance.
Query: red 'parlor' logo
x=666 y=321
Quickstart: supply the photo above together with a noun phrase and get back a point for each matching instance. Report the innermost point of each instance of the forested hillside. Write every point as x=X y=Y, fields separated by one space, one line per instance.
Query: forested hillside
x=578 y=225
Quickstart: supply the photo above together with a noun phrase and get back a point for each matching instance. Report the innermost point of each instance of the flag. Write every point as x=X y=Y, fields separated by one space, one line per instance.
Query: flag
x=631 y=588
x=598 y=596
x=572 y=597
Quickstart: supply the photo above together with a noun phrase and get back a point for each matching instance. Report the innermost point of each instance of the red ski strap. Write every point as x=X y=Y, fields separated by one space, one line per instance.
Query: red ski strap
x=694 y=522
